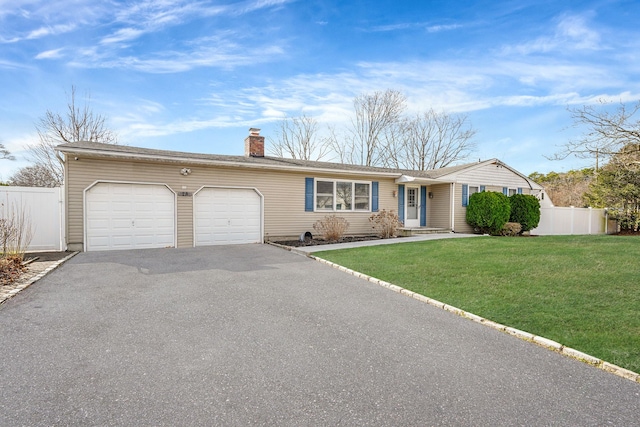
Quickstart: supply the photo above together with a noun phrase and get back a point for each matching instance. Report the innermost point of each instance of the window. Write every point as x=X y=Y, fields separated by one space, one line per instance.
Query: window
x=342 y=196
x=511 y=191
x=468 y=190
x=362 y=196
x=324 y=195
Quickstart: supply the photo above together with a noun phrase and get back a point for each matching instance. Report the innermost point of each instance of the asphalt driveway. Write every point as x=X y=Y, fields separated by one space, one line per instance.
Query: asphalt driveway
x=254 y=335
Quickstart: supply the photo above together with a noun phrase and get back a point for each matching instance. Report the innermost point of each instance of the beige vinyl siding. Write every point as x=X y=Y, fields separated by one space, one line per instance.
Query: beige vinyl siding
x=460 y=213
x=184 y=206
x=493 y=178
x=284 y=193
x=439 y=207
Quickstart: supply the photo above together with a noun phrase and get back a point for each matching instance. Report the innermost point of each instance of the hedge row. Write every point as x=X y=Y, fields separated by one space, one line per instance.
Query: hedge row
x=489 y=211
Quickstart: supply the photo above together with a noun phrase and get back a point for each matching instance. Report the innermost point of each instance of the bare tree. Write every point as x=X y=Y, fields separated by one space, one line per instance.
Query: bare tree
x=5 y=154
x=380 y=135
x=606 y=132
x=437 y=139
x=79 y=123
x=298 y=138
x=566 y=188
x=374 y=115
x=34 y=176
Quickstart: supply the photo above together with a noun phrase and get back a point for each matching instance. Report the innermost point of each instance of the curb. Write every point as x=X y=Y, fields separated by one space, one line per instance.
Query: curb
x=525 y=336
x=37 y=277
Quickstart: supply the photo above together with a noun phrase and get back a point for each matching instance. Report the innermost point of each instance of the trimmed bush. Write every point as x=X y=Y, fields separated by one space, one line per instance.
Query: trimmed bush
x=331 y=227
x=386 y=223
x=488 y=212
x=511 y=229
x=525 y=210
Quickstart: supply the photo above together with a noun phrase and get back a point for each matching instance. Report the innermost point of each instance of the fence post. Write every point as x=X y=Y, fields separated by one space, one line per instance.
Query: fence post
x=573 y=217
x=590 y=218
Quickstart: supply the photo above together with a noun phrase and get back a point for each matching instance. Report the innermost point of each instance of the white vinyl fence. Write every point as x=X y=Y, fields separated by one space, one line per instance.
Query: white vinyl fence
x=560 y=220
x=43 y=208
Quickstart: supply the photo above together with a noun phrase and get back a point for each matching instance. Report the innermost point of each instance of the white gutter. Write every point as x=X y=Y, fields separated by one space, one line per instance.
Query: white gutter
x=418 y=180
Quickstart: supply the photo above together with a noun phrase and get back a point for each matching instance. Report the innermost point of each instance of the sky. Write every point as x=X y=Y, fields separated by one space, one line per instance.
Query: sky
x=196 y=75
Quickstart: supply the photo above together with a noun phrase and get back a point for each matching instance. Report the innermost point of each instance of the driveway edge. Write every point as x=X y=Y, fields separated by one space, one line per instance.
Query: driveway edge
x=526 y=336
x=4 y=296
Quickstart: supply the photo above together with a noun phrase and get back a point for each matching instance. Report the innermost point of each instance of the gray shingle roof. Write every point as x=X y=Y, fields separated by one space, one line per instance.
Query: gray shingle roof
x=111 y=150
x=136 y=152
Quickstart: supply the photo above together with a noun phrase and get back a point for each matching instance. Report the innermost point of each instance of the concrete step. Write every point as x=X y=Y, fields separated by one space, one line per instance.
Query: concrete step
x=406 y=231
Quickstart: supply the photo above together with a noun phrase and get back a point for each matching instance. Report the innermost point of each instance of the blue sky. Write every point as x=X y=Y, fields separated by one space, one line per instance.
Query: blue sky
x=195 y=75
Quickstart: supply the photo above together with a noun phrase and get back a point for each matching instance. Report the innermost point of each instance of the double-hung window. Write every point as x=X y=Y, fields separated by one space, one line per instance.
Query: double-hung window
x=468 y=190
x=342 y=195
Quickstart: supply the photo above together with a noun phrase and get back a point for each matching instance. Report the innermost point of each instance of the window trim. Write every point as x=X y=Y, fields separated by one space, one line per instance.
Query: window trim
x=516 y=190
x=465 y=198
x=353 y=195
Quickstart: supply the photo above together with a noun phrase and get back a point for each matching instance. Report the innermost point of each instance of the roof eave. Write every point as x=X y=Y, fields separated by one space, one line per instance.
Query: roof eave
x=213 y=162
x=408 y=179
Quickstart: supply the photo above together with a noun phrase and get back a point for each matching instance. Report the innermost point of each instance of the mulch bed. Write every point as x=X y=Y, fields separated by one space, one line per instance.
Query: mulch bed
x=12 y=269
x=316 y=242
x=629 y=233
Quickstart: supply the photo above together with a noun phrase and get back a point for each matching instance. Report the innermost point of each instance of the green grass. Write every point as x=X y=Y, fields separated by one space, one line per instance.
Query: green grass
x=581 y=291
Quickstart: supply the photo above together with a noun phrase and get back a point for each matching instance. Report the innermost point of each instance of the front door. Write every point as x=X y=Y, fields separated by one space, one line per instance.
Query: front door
x=413 y=207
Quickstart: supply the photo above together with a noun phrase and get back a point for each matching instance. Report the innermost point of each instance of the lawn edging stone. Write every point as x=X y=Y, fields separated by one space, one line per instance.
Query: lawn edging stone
x=525 y=336
x=6 y=295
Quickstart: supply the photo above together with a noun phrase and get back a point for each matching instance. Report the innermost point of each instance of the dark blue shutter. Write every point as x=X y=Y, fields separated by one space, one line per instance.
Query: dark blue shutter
x=465 y=195
x=401 y=202
x=482 y=188
x=519 y=190
x=374 y=196
x=505 y=191
x=308 y=194
x=423 y=206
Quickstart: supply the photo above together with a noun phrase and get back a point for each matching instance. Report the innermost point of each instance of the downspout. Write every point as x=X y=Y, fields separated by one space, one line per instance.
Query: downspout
x=452 y=197
x=63 y=208
x=60 y=158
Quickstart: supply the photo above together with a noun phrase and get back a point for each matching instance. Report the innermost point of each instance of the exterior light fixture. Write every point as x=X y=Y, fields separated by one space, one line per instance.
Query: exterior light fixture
x=185 y=171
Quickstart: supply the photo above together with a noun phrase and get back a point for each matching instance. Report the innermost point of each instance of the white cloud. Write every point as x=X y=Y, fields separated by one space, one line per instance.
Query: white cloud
x=431 y=28
x=439 y=28
x=50 y=31
x=123 y=34
x=572 y=33
x=222 y=54
x=50 y=54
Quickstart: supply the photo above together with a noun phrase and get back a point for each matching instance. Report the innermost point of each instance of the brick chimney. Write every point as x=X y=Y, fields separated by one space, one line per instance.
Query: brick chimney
x=254 y=144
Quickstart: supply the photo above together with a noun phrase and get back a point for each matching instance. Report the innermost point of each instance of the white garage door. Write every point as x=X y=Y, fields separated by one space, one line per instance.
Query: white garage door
x=227 y=216
x=129 y=216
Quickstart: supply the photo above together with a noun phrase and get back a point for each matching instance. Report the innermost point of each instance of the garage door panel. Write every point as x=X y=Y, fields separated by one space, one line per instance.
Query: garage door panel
x=129 y=216
x=227 y=216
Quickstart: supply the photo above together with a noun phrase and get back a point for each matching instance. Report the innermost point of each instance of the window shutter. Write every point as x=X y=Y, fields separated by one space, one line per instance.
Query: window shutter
x=465 y=195
x=423 y=206
x=482 y=188
x=401 y=202
x=519 y=190
x=505 y=191
x=308 y=194
x=374 y=196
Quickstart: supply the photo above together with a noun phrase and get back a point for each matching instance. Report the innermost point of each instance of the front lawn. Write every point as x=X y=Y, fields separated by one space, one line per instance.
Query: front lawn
x=581 y=291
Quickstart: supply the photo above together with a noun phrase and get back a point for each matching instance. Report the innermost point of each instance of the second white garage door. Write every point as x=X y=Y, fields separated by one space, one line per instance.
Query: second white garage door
x=225 y=216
